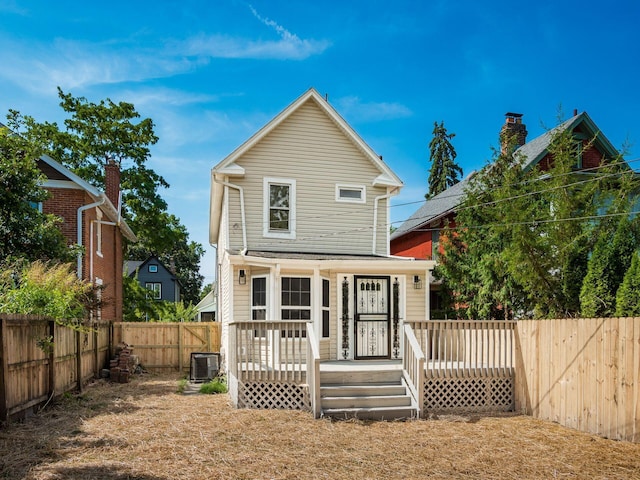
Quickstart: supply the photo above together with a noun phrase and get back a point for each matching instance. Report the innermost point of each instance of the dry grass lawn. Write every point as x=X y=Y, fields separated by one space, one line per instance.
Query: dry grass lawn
x=145 y=430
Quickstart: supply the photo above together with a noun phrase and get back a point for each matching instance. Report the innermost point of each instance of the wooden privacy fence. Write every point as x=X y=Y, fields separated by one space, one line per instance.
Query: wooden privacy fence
x=40 y=359
x=168 y=346
x=581 y=373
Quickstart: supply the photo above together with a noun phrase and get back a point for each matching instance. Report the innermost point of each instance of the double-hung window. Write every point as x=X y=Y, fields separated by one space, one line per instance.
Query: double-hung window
x=279 y=208
x=295 y=301
x=155 y=290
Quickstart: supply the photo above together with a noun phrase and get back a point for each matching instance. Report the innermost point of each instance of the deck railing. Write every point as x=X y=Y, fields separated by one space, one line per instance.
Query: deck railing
x=273 y=351
x=457 y=348
x=413 y=367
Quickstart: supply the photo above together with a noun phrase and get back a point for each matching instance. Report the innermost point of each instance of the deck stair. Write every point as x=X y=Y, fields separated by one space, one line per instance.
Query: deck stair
x=365 y=394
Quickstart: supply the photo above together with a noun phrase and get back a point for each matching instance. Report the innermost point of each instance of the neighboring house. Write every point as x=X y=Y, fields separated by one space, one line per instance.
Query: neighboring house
x=152 y=274
x=418 y=236
x=92 y=220
x=207 y=307
x=300 y=216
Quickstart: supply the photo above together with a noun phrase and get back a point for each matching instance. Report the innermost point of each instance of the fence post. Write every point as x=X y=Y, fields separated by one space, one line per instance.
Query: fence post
x=96 y=352
x=3 y=368
x=52 y=358
x=180 y=341
x=78 y=361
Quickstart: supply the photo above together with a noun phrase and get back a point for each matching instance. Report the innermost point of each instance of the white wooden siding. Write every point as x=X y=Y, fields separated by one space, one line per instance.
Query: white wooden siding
x=415 y=299
x=311 y=149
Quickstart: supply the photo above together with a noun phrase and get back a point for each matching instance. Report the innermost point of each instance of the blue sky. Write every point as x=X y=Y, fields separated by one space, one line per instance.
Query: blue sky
x=211 y=73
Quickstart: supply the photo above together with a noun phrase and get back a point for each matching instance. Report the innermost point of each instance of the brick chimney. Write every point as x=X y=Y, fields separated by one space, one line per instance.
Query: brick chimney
x=112 y=181
x=513 y=132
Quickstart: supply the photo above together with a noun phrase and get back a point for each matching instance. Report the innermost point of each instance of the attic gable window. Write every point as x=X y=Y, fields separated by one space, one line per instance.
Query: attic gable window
x=351 y=193
x=279 y=208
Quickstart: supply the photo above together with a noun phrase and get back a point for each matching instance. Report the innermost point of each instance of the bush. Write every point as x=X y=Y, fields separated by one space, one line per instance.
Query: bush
x=217 y=385
x=48 y=289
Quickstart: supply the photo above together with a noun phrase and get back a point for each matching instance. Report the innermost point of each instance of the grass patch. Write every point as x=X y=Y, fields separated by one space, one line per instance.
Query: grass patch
x=217 y=385
x=182 y=384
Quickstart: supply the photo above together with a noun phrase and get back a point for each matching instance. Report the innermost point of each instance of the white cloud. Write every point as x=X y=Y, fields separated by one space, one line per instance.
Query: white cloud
x=358 y=111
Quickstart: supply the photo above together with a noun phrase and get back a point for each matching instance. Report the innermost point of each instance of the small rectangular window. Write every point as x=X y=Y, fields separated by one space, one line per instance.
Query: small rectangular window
x=351 y=193
x=153 y=268
x=325 y=309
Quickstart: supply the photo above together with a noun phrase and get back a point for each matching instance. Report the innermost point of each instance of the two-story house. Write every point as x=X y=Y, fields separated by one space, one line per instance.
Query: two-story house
x=92 y=220
x=152 y=274
x=300 y=217
x=419 y=235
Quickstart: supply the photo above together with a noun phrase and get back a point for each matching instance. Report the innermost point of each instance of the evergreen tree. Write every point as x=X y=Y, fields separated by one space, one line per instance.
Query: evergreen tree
x=444 y=170
x=609 y=261
x=628 y=296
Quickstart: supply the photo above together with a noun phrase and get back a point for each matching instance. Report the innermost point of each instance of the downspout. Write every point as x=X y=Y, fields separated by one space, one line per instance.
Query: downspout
x=242 y=215
x=79 y=229
x=375 y=217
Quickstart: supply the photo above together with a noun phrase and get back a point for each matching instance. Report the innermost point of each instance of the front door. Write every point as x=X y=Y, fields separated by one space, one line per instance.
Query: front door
x=372 y=319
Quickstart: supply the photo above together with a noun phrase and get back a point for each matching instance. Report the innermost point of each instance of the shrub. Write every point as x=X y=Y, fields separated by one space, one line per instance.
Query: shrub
x=48 y=289
x=217 y=385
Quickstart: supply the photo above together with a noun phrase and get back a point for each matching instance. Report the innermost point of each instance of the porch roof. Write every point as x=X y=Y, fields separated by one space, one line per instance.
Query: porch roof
x=329 y=261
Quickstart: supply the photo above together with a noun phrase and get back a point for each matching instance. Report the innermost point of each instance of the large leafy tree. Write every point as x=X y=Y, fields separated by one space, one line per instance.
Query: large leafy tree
x=444 y=169
x=98 y=133
x=523 y=236
x=25 y=232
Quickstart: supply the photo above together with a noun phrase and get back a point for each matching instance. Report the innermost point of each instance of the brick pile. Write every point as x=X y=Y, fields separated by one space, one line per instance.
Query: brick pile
x=123 y=365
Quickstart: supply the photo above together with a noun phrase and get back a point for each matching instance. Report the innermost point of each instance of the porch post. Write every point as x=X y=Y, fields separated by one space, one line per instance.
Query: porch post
x=396 y=318
x=345 y=318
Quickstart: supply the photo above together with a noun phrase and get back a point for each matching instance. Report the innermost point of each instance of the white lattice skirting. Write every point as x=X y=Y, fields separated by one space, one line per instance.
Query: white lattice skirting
x=473 y=394
x=273 y=395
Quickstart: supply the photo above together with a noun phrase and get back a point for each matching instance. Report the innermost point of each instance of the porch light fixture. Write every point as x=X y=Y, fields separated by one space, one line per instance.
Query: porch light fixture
x=417 y=282
x=242 y=277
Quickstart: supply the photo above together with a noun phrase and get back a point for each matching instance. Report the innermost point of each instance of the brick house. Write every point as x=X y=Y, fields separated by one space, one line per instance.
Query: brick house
x=91 y=219
x=418 y=237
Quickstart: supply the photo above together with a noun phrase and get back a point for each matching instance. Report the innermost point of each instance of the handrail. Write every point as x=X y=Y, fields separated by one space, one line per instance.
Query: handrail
x=413 y=367
x=313 y=371
x=461 y=348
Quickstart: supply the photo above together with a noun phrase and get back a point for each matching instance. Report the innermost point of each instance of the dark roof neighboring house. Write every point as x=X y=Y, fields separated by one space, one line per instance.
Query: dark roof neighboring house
x=533 y=151
x=435 y=208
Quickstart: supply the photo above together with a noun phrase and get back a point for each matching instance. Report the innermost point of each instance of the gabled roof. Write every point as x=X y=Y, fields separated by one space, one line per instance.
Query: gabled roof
x=533 y=152
x=98 y=196
x=228 y=167
x=536 y=149
x=434 y=208
x=136 y=265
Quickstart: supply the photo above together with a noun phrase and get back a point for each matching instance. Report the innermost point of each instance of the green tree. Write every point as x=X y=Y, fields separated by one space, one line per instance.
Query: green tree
x=25 y=232
x=523 y=236
x=628 y=295
x=609 y=261
x=444 y=170
x=95 y=134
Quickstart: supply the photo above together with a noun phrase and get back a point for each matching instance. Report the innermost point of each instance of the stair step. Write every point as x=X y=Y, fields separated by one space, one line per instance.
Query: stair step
x=367 y=401
x=361 y=377
x=362 y=390
x=371 y=413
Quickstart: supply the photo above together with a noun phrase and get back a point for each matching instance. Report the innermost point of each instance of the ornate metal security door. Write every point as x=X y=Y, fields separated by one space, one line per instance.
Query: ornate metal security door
x=372 y=320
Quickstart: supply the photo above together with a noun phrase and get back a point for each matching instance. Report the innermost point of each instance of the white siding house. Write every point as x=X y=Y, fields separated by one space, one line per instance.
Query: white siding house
x=300 y=217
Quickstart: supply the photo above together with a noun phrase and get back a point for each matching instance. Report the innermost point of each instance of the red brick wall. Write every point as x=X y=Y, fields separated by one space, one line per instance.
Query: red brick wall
x=108 y=267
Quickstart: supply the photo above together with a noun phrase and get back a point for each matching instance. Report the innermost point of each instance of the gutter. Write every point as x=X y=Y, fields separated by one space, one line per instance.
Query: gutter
x=375 y=218
x=79 y=229
x=242 y=213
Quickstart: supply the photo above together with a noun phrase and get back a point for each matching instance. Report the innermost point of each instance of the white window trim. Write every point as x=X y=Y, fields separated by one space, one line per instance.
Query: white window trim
x=323 y=308
x=362 y=188
x=159 y=291
x=291 y=234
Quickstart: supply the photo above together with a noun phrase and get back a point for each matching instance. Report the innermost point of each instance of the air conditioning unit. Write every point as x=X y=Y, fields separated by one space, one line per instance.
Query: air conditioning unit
x=204 y=366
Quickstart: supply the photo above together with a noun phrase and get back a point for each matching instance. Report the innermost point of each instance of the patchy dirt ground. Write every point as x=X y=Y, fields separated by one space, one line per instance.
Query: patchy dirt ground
x=144 y=430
